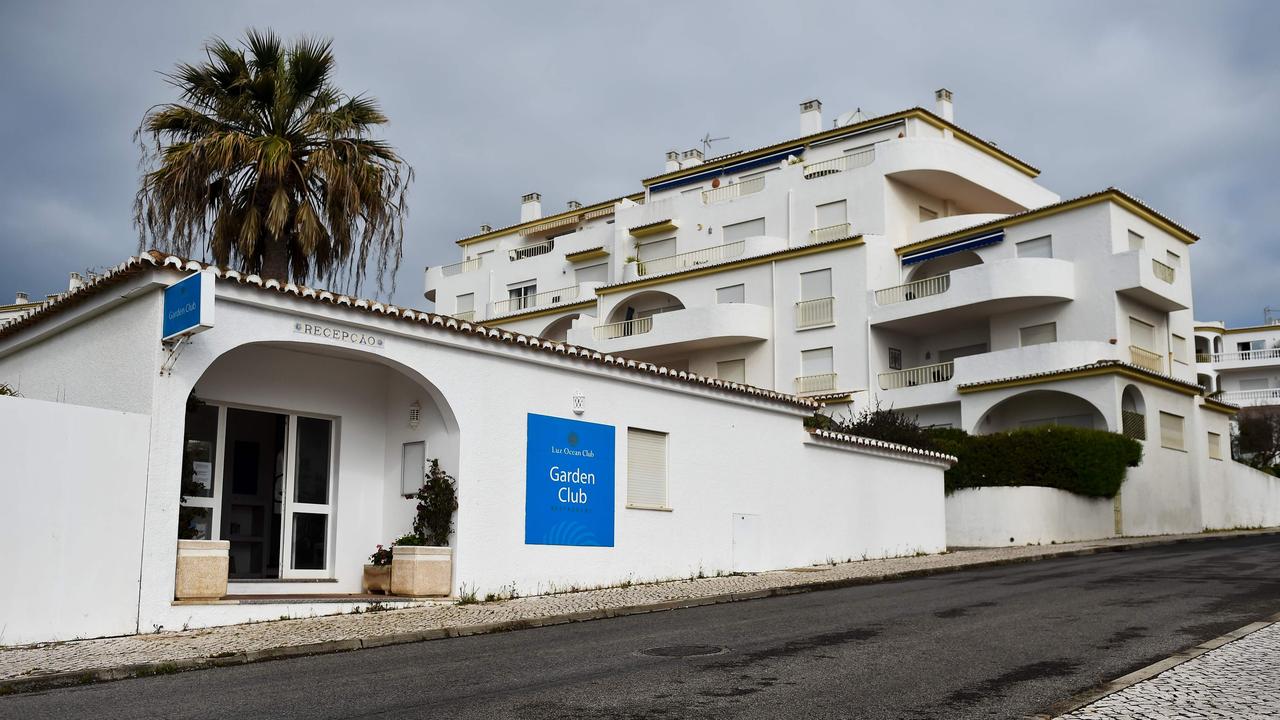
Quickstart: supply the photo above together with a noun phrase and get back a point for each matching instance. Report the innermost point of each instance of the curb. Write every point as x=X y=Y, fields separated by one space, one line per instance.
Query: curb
x=1109 y=688
x=83 y=677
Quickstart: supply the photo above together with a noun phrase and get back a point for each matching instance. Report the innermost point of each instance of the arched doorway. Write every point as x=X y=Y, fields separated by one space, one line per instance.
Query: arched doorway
x=643 y=305
x=944 y=265
x=559 y=329
x=1037 y=408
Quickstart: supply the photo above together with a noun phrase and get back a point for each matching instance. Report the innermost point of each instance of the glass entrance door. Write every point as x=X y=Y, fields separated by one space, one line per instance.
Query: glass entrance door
x=253 y=480
x=308 y=501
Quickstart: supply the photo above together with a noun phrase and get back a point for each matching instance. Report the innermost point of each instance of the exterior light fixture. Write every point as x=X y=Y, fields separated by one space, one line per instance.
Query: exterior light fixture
x=579 y=402
x=415 y=414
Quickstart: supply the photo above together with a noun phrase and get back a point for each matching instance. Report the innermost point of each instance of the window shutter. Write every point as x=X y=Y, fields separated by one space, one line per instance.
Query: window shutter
x=656 y=249
x=1040 y=247
x=1215 y=446
x=815 y=285
x=1170 y=431
x=592 y=273
x=646 y=468
x=831 y=214
x=1142 y=334
x=465 y=303
x=731 y=294
x=732 y=370
x=738 y=231
x=816 y=362
x=1039 y=334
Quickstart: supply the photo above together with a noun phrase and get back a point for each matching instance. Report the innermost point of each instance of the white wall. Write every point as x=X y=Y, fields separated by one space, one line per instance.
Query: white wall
x=1004 y=516
x=72 y=493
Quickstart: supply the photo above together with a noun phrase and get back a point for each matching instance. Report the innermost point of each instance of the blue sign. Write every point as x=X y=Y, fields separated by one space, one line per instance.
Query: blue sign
x=188 y=306
x=568 y=498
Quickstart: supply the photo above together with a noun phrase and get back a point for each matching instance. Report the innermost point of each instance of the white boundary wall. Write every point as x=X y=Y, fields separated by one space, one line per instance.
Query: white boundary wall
x=72 y=493
x=1003 y=516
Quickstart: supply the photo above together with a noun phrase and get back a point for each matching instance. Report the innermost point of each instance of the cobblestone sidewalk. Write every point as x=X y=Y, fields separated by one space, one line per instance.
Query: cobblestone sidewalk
x=1238 y=681
x=106 y=658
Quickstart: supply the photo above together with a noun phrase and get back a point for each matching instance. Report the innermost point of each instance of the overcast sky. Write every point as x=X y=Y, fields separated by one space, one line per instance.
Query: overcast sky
x=1175 y=102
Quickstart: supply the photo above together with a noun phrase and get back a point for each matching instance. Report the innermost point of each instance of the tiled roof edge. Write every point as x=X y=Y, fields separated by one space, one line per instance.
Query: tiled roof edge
x=885 y=446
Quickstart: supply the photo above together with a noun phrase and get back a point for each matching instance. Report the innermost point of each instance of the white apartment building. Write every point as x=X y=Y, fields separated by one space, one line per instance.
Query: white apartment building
x=898 y=259
x=1241 y=365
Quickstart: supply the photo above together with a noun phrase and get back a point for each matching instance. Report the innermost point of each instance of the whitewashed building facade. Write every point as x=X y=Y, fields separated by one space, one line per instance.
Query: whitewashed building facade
x=1241 y=365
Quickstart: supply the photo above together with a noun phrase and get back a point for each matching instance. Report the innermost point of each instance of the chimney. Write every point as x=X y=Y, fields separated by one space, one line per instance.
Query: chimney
x=21 y=299
x=75 y=283
x=486 y=229
x=530 y=207
x=810 y=116
x=673 y=161
x=691 y=157
x=575 y=205
x=945 y=110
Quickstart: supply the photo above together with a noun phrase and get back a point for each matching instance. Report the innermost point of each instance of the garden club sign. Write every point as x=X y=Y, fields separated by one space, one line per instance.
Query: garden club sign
x=188 y=306
x=568 y=496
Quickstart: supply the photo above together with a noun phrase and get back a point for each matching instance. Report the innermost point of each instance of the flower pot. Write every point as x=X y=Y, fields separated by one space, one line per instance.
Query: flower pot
x=202 y=569
x=421 y=571
x=377 y=579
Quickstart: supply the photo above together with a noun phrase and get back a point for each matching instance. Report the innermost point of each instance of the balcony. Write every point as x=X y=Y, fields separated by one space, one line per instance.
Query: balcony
x=830 y=232
x=1151 y=282
x=809 y=384
x=1247 y=398
x=922 y=375
x=547 y=298
x=973 y=293
x=666 y=333
x=849 y=161
x=534 y=250
x=466 y=266
x=819 y=312
x=732 y=191
x=1243 y=358
x=1146 y=359
x=682 y=261
x=466 y=315
x=1162 y=271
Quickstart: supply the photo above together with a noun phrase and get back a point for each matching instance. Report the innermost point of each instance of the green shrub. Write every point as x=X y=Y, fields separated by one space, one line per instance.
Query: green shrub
x=437 y=501
x=1082 y=461
x=877 y=423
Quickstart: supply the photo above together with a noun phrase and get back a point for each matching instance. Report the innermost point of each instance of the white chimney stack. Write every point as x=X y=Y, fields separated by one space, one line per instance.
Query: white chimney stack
x=530 y=207
x=21 y=299
x=673 y=161
x=691 y=157
x=75 y=283
x=810 y=116
x=575 y=205
x=946 y=110
x=486 y=228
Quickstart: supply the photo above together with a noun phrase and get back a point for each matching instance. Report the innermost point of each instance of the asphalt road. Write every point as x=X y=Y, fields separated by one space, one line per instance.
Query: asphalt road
x=987 y=643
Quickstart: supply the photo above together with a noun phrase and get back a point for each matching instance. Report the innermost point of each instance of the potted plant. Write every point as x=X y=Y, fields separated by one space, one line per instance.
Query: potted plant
x=422 y=561
x=377 y=573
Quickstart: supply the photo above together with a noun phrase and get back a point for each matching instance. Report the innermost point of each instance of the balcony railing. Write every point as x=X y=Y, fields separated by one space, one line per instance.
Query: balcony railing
x=1264 y=354
x=547 y=297
x=825 y=382
x=1133 y=424
x=830 y=232
x=1146 y=359
x=466 y=266
x=920 y=288
x=626 y=328
x=467 y=315
x=1270 y=396
x=534 y=250
x=1162 y=271
x=732 y=191
x=812 y=313
x=690 y=259
x=923 y=375
x=848 y=161
x=1204 y=357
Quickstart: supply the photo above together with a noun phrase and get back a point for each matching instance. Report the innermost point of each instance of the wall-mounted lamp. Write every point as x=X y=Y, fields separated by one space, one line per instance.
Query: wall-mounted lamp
x=579 y=402
x=415 y=414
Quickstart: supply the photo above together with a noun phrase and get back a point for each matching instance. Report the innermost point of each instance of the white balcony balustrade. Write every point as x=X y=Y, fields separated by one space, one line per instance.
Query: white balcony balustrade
x=912 y=290
x=922 y=375
x=690 y=259
x=831 y=232
x=626 y=328
x=848 y=161
x=1270 y=396
x=1146 y=359
x=466 y=266
x=732 y=191
x=1162 y=271
x=534 y=250
x=1242 y=356
x=467 y=315
x=815 y=313
x=807 y=384
x=542 y=299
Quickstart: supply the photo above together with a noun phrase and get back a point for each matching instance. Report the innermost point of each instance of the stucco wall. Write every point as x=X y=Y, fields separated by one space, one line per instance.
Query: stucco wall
x=1003 y=516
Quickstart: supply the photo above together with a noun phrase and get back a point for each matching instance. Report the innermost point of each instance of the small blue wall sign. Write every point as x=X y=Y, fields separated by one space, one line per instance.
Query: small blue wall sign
x=188 y=306
x=568 y=496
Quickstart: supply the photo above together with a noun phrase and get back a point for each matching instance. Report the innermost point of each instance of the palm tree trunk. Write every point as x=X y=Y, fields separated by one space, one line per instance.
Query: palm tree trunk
x=275 y=261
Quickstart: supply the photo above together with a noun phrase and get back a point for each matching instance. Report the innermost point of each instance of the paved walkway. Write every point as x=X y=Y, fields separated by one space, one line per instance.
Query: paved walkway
x=1238 y=681
x=106 y=658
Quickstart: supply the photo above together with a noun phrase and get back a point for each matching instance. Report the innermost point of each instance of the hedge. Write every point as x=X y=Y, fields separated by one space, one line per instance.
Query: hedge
x=1078 y=460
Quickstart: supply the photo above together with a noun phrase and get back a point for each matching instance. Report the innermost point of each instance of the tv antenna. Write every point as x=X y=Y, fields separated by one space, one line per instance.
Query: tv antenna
x=707 y=140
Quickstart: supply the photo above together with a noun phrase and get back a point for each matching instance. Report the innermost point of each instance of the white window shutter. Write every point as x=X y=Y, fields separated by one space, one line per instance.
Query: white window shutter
x=738 y=231
x=646 y=468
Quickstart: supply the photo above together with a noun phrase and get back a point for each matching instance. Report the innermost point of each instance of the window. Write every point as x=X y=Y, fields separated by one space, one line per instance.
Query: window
x=464 y=304
x=591 y=273
x=1039 y=334
x=1041 y=247
x=521 y=294
x=1251 y=345
x=1173 y=258
x=731 y=294
x=815 y=285
x=895 y=359
x=1178 y=346
x=1142 y=334
x=818 y=361
x=738 y=231
x=1135 y=241
x=926 y=214
x=732 y=370
x=1215 y=446
x=654 y=249
x=646 y=469
x=950 y=354
x=834 y=213
x=1171 y=431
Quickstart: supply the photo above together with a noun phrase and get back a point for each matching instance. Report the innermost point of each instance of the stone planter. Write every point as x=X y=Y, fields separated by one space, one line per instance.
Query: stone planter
x=377 y=579
x=202 y=569
x=421 y=571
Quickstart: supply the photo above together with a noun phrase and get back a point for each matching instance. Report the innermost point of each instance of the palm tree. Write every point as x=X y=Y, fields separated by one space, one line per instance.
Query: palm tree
x=264 y=165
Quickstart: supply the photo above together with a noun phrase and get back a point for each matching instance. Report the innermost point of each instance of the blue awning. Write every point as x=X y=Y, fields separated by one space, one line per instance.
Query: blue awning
x=969 y=243
x=769 y=159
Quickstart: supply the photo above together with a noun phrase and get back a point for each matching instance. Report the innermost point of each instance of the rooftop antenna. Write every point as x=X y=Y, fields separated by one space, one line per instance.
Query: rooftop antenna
x=706 y=143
